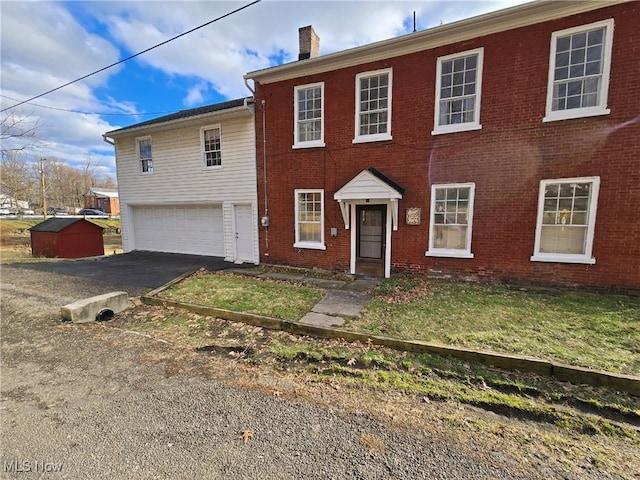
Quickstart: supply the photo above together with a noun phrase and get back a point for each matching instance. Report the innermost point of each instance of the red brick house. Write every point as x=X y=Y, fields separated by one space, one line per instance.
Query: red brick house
x=104 y=199
x=504 y=147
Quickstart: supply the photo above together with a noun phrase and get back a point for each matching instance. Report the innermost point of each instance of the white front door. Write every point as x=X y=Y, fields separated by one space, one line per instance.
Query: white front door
x=244 y=233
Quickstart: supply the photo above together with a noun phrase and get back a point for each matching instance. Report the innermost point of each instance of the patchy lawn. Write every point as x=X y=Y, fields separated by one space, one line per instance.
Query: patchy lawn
x=239 y=294
x=585 y=329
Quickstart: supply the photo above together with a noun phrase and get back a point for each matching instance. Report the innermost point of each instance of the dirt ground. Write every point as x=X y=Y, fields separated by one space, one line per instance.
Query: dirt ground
x=106 y=400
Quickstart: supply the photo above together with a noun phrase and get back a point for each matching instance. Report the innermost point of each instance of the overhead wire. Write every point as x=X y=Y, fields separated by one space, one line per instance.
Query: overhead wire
x=102 y=114
x=133 y=56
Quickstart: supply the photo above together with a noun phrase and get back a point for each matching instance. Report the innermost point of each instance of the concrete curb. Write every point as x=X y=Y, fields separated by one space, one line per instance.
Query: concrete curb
x=565 y=373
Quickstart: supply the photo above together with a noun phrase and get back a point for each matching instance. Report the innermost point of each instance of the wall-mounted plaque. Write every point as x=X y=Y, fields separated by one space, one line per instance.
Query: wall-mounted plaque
x=413 y=216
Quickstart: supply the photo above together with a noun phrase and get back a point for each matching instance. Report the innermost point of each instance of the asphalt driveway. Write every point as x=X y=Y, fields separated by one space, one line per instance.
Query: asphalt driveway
x=132 y=272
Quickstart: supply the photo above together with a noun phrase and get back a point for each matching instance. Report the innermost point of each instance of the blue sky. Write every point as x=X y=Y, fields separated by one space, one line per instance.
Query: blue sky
x=45 y=44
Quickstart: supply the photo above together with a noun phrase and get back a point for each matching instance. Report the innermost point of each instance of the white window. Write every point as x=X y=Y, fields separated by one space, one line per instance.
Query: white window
x=458 y=89
x=309 y=219
x=579 y=65
x=145 y=158
x=211 y=146
x=373 y=106
x=566 y=220
x=309 y=116
x=451 y=220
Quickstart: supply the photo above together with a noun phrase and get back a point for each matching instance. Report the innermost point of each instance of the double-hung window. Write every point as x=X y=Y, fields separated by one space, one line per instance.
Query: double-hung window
x=451 y=220
x=309 y=116
x=566 y=220
x=210 y=142
x=458 y=89
x=309 y=205
x=373 y=106
x=579 y=65
x=145 y=158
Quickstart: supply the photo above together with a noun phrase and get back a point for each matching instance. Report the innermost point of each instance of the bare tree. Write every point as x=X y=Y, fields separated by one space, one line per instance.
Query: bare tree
x=18 y=132
x=22 y=168
x=18 y=179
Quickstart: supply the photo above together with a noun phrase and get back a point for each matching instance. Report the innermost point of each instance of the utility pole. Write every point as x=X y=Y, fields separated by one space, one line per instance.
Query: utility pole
x=43 y=189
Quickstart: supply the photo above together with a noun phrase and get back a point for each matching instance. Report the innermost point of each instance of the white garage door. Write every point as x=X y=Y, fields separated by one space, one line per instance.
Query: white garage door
x=194 y=230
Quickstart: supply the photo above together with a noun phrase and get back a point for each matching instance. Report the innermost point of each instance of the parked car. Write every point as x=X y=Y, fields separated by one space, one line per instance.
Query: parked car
x=5 y=211
x=92 y=211
x=27 y=211
x=57 y=211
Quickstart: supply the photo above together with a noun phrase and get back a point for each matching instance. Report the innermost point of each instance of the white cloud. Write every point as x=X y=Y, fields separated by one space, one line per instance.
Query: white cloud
x=44 y=46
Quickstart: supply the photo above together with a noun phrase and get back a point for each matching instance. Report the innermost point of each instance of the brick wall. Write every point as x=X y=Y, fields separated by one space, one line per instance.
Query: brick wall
x=506 y=159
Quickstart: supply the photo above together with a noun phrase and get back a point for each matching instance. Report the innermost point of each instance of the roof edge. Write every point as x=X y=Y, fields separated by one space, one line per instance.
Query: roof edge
x=184 y=116
x=489 y=23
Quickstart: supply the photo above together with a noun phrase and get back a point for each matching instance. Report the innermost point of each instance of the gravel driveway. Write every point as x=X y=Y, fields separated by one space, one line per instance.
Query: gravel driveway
x=95 y=402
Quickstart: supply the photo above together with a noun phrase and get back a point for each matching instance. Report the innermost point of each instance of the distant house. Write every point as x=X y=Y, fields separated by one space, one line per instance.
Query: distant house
x=11 y=203
x=187 y=182
x=103 y=199
x=66 y=238
x=502 y=147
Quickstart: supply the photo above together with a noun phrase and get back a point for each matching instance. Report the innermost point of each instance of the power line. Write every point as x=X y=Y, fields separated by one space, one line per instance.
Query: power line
x=134 y=55
x=136 y=114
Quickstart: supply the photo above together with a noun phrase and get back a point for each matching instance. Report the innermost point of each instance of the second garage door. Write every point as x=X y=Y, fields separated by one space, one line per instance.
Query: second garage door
x=196 y=230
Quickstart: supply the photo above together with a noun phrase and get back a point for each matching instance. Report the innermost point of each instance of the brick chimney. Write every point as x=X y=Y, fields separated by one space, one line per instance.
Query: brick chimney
x=309 y=43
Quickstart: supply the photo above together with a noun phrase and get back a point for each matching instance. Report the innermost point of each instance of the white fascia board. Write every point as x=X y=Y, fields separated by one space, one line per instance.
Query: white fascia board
x=214 y=117
x=487 y=24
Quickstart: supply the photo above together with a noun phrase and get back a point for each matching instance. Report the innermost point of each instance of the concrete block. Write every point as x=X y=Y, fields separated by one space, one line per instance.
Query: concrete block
x=86 y=310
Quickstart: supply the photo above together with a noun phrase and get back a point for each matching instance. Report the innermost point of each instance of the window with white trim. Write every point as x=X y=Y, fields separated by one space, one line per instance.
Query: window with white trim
x=566 y=220
x=309 y=115
x=145 y=157
x=458 y=89
x=211 y=145
x=579 y=65
x=451 y=220
x=309 y=205
x=373 y=106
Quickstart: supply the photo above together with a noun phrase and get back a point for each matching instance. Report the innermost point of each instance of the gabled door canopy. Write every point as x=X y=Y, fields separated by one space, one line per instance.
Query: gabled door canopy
x=372 y=186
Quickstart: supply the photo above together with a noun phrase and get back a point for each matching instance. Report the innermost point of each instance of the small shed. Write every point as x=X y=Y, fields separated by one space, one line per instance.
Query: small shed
x=66 y=238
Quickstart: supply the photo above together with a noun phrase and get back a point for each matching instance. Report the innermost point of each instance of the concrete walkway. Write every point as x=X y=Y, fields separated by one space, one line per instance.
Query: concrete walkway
x=343 y=298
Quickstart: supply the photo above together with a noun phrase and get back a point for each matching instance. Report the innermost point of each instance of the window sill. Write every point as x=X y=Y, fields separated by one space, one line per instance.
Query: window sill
x=372 y=138
x=311 y=246
x=563 y=259
x=308 y=145
x=575 y=113
x=217 y=167
x=459 y=127
x=449 y=253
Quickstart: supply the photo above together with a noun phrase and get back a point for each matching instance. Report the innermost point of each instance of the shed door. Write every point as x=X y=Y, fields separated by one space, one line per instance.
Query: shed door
x=196 y=230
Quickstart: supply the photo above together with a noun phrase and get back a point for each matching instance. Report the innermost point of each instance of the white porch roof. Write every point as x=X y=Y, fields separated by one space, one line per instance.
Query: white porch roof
x=372 y=186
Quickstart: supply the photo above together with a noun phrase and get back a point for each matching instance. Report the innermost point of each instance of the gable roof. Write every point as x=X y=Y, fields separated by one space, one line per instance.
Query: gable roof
x=102 y=192
x=371 y=184
x=55 y=224
x=216 y=108
x=502 y=20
